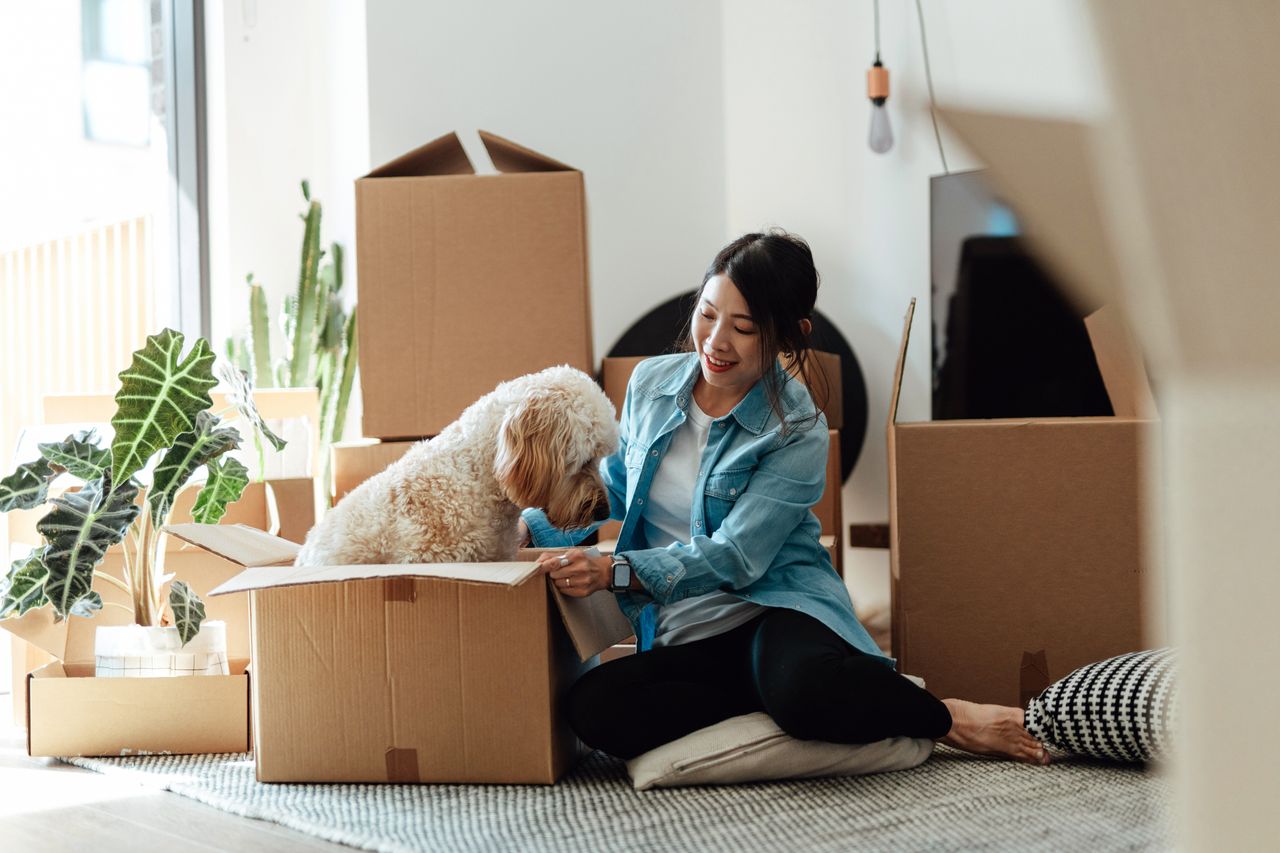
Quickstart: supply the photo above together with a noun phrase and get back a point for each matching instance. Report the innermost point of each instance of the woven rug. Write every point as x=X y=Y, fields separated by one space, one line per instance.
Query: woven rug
x=953 y=801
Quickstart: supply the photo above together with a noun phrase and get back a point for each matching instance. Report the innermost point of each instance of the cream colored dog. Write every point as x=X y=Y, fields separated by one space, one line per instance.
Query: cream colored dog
x=535 y=441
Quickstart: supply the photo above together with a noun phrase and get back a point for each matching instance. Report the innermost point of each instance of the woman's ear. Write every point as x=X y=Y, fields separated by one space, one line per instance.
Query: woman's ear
x=530 y=456
x=806 y=327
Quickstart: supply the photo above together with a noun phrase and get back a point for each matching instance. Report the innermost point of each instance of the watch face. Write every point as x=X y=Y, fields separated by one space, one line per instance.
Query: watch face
x=621 y=575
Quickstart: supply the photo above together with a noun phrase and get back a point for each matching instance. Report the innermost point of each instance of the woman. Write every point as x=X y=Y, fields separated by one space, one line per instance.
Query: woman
x=719 y=568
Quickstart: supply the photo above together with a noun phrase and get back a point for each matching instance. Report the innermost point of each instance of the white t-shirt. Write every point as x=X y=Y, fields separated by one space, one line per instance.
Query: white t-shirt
x=668 y=516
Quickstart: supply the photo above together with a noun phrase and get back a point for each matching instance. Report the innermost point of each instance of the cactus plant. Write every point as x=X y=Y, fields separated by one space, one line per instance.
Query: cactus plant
x=320 y=337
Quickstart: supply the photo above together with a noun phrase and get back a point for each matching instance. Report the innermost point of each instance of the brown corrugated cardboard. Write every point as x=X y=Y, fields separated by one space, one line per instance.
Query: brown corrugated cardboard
x=432 y=672
x=1016 y=547
x=24 y=658
x=615 y=373
x=356 y=461
x=455 y=269
x=69 y=712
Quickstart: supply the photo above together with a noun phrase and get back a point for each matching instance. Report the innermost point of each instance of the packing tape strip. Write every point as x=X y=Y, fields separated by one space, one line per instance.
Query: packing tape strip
x=1033 y=677
x=399 y=589
x=402 y=765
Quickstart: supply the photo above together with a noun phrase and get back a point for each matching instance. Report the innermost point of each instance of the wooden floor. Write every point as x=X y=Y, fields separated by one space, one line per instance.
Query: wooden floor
x=46 y=805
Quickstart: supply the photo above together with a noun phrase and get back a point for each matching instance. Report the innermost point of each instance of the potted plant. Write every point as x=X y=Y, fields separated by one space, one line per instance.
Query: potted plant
x=321 y=344
x=164 y=433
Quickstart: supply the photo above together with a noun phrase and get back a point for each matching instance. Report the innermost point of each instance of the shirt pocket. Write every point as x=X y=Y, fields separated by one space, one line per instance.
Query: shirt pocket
x=634 y=461
x=722 y=492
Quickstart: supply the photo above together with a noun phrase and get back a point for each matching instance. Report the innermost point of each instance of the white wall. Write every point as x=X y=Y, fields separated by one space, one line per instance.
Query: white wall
x=630 y=94
x=796 y=155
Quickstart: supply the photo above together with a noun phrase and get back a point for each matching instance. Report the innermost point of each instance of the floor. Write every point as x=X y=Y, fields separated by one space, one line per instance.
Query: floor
x=50 y=806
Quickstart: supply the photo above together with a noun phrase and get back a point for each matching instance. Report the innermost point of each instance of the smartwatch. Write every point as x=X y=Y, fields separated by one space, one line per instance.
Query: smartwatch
x=620 y=575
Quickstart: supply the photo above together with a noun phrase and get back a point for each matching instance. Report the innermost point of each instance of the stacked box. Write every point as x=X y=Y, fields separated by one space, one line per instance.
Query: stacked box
x=455 y=269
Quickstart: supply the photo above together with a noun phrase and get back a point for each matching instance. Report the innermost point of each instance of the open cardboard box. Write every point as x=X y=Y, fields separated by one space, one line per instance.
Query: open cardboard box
x=438 y=246
x=1017 y=549
x=69 y=712
x=443 y=672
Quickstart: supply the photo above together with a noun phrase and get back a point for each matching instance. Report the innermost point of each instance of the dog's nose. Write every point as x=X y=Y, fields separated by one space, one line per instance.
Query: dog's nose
x=601 y=511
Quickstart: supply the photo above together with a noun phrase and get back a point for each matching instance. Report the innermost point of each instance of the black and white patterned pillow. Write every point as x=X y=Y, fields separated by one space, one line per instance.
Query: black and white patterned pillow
x=1122 y=708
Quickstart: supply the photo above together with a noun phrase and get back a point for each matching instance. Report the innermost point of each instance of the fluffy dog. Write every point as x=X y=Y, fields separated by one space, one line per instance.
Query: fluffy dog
x=535 y=441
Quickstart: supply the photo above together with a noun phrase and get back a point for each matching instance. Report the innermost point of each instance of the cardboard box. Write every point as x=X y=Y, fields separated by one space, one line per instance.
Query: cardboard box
x=69 y=712
x=24 y=658
x=455 y=269
x=449 y=672
x=1016 y=548
x=356 y=461
x=615 y=373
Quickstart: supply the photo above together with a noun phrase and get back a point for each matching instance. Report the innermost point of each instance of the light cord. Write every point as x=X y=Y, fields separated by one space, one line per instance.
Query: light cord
x=928 y=76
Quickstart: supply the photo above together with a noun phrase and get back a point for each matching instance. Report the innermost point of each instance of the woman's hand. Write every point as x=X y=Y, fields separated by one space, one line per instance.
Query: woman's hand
x=576 y=574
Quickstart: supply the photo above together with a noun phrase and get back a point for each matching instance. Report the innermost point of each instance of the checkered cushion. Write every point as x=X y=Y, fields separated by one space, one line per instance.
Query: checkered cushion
x=1121 y=709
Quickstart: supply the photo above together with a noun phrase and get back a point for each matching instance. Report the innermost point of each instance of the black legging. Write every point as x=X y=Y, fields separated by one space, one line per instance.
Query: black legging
x=814 y=685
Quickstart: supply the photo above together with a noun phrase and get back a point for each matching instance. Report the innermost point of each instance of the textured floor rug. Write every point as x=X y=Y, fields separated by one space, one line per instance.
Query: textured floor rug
x=952 y=801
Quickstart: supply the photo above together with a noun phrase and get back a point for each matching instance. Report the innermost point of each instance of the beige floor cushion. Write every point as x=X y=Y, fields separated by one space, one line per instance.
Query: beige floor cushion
x=752 y=748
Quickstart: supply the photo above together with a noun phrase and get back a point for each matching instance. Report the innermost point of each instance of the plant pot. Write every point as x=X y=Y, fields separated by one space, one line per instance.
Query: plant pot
x=135 y=651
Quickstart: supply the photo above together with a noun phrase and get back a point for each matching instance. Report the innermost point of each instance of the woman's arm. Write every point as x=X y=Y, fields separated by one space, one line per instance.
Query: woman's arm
x=787 y=481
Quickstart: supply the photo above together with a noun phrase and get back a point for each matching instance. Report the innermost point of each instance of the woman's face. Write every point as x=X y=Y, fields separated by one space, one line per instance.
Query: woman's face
x=726 y=337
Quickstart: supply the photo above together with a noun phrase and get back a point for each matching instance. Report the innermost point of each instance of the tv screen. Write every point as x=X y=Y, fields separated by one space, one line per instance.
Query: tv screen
x=1007 y=343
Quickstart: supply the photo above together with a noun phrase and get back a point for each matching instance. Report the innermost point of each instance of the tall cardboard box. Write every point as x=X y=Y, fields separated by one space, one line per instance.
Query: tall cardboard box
x=68 y=712
x=449 y=672
x=1016 y=544
x=455 y=270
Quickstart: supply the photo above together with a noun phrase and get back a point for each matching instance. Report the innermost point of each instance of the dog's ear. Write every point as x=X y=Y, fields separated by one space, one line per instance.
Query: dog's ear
x=532 y=444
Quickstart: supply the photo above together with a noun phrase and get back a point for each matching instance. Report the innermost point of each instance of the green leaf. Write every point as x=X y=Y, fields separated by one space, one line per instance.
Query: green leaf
x=22 y=589
x=240 y=393
x=227 y=479
x=306 y=189
x=27 y=487
x=79 y=454
x=87 y=605
x=79 y=530
x=188 y=610
x=350 y=356
x=190 y=450
x=160 y=394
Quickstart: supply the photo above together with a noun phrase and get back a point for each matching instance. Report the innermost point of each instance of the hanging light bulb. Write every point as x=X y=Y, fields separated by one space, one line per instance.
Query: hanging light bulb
x=880 y=136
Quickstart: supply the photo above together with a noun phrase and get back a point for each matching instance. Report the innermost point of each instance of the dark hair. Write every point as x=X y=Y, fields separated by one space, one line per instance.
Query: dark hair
x=775 y=274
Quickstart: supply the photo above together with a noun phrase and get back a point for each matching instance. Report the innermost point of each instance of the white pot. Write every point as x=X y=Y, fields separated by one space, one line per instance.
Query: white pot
x=134 y=651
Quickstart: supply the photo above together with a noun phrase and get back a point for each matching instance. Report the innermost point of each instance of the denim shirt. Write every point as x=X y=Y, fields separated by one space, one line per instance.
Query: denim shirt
x=752 y=534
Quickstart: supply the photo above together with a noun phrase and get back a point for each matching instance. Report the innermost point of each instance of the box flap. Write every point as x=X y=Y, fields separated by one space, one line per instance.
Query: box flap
x=1120 y=364
x=594 y=623
x=443 y=156
x=901 y=365
x=273 y=577
x=238 y=543
x=508 y=156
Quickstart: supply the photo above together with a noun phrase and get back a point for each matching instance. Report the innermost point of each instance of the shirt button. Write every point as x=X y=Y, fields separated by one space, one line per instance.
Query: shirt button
x=670 y=578
x=640 y=501
x=733 y=491
x=719 y=423
x=698 y=524
x=680 y=401
x=654 y=453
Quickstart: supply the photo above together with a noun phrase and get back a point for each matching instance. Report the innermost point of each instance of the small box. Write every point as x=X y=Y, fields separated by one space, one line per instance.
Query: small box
x=1017 y=544
x=444 y=672
x=68 y=712
x=465 y=268
x=356 y=461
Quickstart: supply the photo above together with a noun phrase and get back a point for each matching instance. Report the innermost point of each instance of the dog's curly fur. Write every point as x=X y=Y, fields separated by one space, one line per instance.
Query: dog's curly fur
x=535 y=441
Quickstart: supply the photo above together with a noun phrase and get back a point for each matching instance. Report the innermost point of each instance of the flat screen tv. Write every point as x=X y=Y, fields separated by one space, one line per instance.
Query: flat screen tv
x=1007 y=343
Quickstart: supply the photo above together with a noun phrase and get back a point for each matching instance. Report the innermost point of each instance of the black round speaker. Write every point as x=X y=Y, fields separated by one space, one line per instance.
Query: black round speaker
x=659 y=331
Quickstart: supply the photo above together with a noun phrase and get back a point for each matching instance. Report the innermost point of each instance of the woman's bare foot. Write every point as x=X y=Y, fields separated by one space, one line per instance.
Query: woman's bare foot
x=992 y=730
